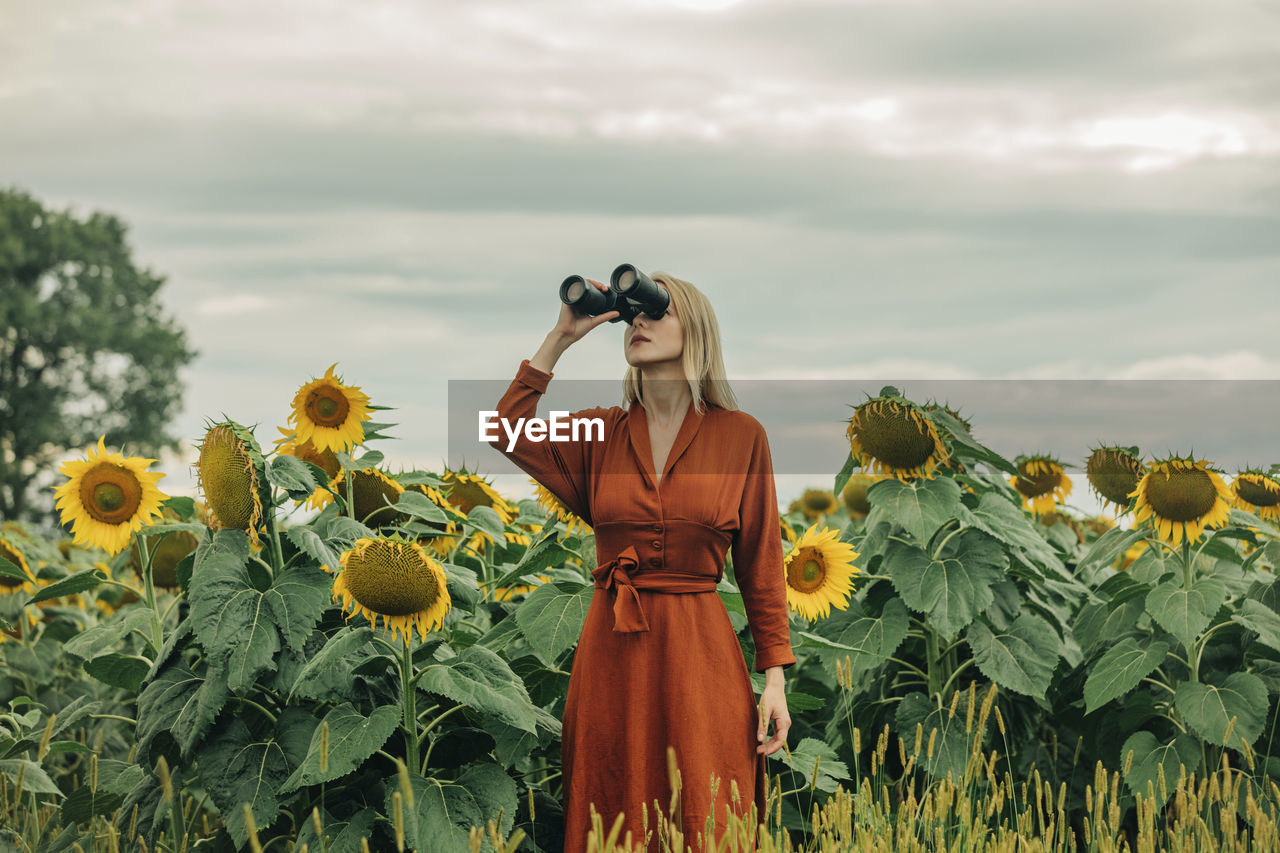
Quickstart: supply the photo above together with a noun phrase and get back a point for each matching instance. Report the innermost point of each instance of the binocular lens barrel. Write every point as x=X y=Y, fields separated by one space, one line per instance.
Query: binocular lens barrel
x=631 y=292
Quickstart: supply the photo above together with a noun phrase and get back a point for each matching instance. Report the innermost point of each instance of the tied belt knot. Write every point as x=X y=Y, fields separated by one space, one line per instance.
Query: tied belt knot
x=621 y=574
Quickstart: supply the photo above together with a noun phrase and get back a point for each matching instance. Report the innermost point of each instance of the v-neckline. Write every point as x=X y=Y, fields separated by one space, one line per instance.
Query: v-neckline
x=638 y=424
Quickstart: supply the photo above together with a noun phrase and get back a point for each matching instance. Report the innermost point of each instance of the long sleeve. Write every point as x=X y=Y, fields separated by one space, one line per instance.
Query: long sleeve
x=560 y=466
x=757 y=561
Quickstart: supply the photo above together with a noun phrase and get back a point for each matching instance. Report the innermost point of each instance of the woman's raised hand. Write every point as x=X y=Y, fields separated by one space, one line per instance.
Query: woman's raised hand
x=571 y=326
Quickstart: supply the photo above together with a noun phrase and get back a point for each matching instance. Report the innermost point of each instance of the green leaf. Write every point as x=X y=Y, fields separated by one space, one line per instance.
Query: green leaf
x=920 y=506
x=1149 y=754
x=479 y=678
x=310 y=543
x=1208 y=707
x=485 y=518
x=119 y=670
x=78 y=582
x=82 y=805
x=238 y=768
x=1262 y=620
x=1120 y=669
x=872 y=638
x=444 y=811
x=327 y=676
x=968 y=447
x=1186 y=613
x=952 y=588
x=1107 y=547
x=543 y=554
x=1000 y=517
x=12 y=571
x=846 y=472
x=103 y=637
x=418 y=505
x=34 y=779
x=182 y=702
x=951 y=747
x=236 y=622
x=552 y=618
x=811 y=751
x=293 y=476
x=353 y=737
x=1020 y=658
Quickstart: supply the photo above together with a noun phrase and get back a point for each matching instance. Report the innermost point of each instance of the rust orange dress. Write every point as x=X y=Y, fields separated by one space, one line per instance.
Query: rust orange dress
x=658 y=661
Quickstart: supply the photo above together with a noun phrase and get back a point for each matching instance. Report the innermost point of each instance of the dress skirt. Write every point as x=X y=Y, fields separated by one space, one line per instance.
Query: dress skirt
x=682 y=683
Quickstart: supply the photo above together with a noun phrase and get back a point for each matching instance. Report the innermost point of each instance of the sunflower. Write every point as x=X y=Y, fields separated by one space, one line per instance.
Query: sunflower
x=788 y=534
x=819 y=572
x=396 y=580
x=373 y=490
x=1098 y=524
x=231 y=473
x=1181 y=497
x=107 y=497
x=854 y=493
x=328 y=414
x=10 y=552
x=1052 y=517
x=1041 y=481
x=1257 y=493
x=325 y=460
x=891 y=435
x=468 y=491
x=507 y=593
x=557 y=510
x=1113 y=473
x=817 y=504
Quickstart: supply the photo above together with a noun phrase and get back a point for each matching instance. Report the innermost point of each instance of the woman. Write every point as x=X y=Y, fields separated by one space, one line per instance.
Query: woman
x=679 y=477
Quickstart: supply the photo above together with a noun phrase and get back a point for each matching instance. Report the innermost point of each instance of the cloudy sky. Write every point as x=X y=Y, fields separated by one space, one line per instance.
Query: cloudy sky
x=884 y=190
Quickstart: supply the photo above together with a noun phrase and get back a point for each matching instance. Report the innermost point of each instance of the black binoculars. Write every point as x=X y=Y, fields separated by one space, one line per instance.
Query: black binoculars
x=631 y=292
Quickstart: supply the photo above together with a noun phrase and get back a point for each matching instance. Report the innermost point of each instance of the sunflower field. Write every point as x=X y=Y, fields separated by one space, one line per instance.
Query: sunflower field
x=323 y=654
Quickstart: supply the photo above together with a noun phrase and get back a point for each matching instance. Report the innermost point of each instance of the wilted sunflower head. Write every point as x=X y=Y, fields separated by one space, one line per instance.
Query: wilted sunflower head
x=1042 y=482
x=394 y=580
x=1258 y=493
x=819 y=572
x=1098 y=525
x=231 y=473
x=854 y=493
x=891 y=435
x=373 y=491
x=1113 y=473
x=10 y=552
x=818 y=503
x=468 y=491
x=1052 y=517
x=328 y=414
x=557 y=510
x=107 y=497
x=325 y=460
x=1182 y=496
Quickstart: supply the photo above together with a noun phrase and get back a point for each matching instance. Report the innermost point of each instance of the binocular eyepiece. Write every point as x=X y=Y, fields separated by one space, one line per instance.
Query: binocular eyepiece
x=631 y=292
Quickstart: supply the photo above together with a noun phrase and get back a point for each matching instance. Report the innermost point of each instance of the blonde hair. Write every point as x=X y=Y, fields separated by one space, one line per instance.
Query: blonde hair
x=701 y=358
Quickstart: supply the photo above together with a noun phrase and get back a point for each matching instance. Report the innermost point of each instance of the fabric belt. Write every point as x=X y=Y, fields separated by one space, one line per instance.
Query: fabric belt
x=620 y=573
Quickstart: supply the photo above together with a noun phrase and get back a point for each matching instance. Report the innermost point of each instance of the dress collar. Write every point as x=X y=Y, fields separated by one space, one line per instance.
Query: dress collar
x=638 y=430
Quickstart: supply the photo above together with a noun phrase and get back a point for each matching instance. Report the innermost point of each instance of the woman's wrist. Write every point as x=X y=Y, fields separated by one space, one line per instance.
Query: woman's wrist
x=774 y=675
x=553 y=346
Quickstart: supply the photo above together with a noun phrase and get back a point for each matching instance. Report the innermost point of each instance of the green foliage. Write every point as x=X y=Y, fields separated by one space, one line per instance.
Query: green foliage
x=85 y=347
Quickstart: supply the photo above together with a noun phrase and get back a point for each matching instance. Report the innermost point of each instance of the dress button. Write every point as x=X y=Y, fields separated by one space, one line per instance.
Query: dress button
x=654 y=561
x=657 y=544
x=657 y=528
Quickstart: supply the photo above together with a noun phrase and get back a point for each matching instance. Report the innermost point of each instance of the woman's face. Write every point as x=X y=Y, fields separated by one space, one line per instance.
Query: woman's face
x=649 y=342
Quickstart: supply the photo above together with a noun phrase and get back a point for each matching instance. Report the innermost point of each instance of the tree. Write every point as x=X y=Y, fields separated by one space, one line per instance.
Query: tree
x=84 y=348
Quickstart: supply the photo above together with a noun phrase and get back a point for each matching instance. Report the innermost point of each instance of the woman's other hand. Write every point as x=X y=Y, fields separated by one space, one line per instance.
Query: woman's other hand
x=773 y=706
x=571 y=326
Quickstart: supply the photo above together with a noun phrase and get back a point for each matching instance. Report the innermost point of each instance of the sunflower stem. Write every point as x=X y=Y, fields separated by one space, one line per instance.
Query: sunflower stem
x=1188 y=577
x=157 y=630
x=351 y=496
x=274 y=527
x=409 y=698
